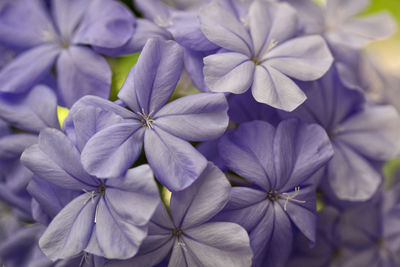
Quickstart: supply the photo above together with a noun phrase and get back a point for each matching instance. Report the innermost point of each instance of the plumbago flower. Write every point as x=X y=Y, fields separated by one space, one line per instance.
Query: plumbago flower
x=30 y=113
x=162 y=127
x=279 y=162
x=264 y=56
x=362 y=235
x=187 y=236
x=59 y=37
x=110 y=216
x=338 y=23
x=362 y=135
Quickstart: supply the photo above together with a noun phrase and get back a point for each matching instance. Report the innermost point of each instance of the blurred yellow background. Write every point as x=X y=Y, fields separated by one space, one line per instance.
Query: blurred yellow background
x=388 y=51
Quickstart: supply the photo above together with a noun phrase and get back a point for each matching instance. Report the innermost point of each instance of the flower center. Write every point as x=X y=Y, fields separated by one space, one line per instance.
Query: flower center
x=177 y=232
x=101 y=189
x=274 y=195
x=146 y=120
x=256 y=60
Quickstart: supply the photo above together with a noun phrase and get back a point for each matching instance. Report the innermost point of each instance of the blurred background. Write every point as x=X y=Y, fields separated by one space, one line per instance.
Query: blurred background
x=388 y=51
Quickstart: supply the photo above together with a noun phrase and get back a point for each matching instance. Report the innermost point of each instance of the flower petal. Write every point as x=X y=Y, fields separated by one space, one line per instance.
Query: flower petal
x=20 y=74
x=57 y=160
x=145 y=29
x=222 y=28
x=134 y=197
x=342 y=9
x=246 y=207
x=87 y=121
x=34 y=29
x=154 y=77
x=217 y=244
x=152 y=251
x=69 y=232
x=374 y=132
x=186 y=31
x=303 y=58
x=110 y=152
x=51 y=198
x=303 y=215
x=82 y=72
x=67 y=15
x=202 y=200
x=33 y=111
x=359 y=32
x=248 y=152
x=351 y=176
x=271 y=23
x=183 y=117
x=299 y=151
x=12 y=146
x=106 y=24
x=117 y=238
x=175 y=162
x=244 y=108
x=228 y=72
x=273 y=88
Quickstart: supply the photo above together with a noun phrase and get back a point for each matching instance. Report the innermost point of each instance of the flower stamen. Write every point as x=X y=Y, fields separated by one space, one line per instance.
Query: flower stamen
x=288 y=197
x=146 y=120
x=85 y=259
x=92 y=195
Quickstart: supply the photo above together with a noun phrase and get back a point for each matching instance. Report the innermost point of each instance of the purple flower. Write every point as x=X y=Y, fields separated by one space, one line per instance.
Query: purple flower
x=109 y=218
x=279 y=163
x=263 y=54
x=363 y=235
x=21 y=248
x=30 y=112
x=14 y=177
x=337 y=22
x=187 y=237
x=57 y=37
x=162 y=127
x=361 y=135
x=243 y=108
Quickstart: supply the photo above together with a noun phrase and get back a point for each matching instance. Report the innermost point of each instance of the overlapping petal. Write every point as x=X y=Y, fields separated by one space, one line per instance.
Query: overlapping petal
x=271 y=23
x=87 y=121
x=56 y=160
x=356 y=179
x=20 y=74
x=153 y=79
x=135 y=196
x=67 y=15
x=243 y=152
x=183 y=117
x=299 y=151
x=373 y=132
x=69 y=232
x=175 y=162
x=186 y=31
x=223 y=28
x=32 y=112
x=82 y=72
x=106 y=24
x=117 y=237
x=202 y=200
x=228 y=72
x=304 y=58
x=110 y=152
x=212 y=247
x=34 y=29
x=357 y=33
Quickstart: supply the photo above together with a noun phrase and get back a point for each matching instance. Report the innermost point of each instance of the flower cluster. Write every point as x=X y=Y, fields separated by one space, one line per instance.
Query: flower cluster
x=248 y=133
